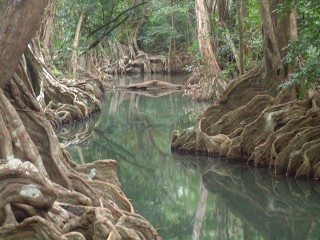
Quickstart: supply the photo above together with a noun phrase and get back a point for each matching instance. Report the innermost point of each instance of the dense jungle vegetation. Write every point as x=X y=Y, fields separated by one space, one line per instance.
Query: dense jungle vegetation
x=258 y=61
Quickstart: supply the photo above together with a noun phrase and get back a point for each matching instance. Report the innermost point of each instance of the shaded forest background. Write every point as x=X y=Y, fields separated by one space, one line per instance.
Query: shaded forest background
x=128 y=36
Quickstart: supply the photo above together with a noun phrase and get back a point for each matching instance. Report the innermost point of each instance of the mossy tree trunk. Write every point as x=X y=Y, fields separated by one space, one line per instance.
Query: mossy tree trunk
x=43 y=194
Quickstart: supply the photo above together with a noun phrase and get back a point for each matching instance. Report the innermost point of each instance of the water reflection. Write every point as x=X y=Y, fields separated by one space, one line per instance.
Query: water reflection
x=255 y=205
x=136 y=130
x=192 y=197
x=77 y=133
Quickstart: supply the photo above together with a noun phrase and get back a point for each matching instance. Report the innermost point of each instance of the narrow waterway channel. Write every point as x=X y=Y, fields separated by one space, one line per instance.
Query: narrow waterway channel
x=188 y=197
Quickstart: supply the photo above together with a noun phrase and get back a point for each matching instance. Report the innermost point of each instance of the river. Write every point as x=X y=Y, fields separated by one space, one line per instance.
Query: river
x=187 y=197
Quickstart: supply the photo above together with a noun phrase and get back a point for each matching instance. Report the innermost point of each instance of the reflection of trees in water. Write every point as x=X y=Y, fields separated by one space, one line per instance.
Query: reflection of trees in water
x=147 y=129
x=201 y=210
x=198 y=165
x=118 y=150
x=120 y=80
x=267 y=208
x=77 y=133
x=276 y=208
x=149 y=124
x=136 y=131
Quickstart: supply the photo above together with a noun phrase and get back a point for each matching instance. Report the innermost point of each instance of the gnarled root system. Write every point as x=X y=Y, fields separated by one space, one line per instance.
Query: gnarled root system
x=258 y=129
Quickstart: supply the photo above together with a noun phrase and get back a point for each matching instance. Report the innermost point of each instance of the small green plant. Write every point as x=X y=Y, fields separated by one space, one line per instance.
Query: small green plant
x=304 y=54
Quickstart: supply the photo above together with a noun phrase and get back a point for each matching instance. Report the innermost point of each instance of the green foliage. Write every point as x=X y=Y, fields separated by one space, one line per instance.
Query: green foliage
x=252 y=22
x=195 y=58
x=101 y=18
x=158 y=22
x=252 y=34
x=157 y=31
x=305 y=52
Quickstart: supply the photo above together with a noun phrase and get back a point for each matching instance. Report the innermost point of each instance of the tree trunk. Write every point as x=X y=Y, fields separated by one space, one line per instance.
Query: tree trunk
x=206 y=51
x=13 y=43
x=210 y=82
x=41 y=42
x=172 y=43
x=223 y=11
x=74 y=57
x=241 y=40
x=44 y=195
x=250 y=122
x=278 y=30
x=232 y=47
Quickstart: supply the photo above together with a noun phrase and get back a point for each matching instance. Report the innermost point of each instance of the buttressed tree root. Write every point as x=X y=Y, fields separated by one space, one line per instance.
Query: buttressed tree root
x=132 y=60
x=258 y=129
x=44 y=195
x=63 y=102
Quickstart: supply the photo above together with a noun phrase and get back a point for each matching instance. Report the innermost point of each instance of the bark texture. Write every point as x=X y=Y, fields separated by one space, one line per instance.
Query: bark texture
x=43 y=194
x=130 y=59
x=16 y=18
x=251 y=122
x=208 y=76
x=63 y=101
x=74 y=57
x=204 y=33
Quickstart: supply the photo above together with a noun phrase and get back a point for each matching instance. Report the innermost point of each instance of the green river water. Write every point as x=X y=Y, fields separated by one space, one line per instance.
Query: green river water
x=187 y=197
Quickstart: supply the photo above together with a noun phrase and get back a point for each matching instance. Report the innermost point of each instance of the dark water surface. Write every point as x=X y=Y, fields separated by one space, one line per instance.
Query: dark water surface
x=188 y=197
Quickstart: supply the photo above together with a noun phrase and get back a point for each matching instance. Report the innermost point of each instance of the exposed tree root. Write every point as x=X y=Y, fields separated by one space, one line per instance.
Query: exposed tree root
x=108 y=214
x=246 y=87
x=247 y=124
x=132 y=60
x=44 y=194
x=63 y=101
x=280 y=138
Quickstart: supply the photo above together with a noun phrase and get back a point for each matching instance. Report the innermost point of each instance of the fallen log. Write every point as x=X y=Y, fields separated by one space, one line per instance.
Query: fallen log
x=151 y=93
x=154 y=84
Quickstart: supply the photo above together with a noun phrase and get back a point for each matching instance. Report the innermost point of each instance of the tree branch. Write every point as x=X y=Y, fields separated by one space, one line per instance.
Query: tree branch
x=115 y=19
